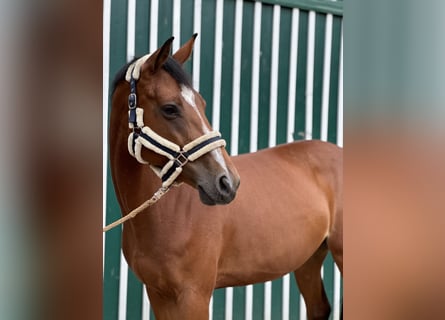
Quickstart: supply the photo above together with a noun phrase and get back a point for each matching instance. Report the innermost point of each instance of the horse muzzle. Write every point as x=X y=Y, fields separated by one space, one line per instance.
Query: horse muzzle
x=221 y=191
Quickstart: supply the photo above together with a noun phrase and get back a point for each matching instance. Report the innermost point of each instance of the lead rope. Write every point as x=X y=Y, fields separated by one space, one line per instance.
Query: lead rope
x=156 y=196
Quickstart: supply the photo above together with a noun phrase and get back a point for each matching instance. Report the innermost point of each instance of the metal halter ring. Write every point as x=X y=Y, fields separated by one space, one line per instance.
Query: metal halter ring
x=181 y=159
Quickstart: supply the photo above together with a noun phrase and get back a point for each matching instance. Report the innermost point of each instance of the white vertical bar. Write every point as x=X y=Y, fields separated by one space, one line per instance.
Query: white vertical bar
x=292 y=75
x=105 y=88
x=211 y=308
x=310 y=75
x=286 y=292
x=154 y=25
x=303 y=315
x=268 y=300
x=255 y=77
x=176 y=25
x=340 y=98
x=326 y=78
x=217 y=67
x=131 y=29
x=249 y=302
x=309 y=103
x=145 y=304
x=229 y=303
x=197 y=45
x=236 y=76
x=336 y=293
x=274 y=76
x=123 y=279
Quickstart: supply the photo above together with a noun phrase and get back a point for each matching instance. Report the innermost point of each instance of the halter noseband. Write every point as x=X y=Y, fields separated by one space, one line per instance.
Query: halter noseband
x=143 y=136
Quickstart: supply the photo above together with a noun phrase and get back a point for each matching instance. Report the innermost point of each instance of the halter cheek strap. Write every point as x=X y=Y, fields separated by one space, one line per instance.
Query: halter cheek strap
x=144 y=136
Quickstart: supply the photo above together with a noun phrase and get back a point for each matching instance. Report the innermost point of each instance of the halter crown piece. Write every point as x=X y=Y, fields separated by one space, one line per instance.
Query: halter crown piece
x=143 y=136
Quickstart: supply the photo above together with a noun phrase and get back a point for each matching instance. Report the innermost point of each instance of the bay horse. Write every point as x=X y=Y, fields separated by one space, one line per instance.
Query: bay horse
x=213 y=231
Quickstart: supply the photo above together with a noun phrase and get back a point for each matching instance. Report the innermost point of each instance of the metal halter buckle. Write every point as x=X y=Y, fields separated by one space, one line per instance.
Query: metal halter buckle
x=132 y=101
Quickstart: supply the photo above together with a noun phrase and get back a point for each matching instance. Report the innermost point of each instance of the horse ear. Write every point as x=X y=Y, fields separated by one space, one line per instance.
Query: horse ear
x=185 y=51
x=158 y=58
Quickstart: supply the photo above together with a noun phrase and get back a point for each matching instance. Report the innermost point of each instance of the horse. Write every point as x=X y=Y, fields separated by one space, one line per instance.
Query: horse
x=227 y=221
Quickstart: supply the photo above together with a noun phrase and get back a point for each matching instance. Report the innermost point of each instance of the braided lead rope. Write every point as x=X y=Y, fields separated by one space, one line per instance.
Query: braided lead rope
x=155 y=198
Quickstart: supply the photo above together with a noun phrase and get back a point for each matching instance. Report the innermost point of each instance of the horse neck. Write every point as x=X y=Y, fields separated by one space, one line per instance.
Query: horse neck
x=134 y=183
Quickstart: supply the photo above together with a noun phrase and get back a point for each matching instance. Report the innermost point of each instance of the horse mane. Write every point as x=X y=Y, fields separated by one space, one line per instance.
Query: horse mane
x=172 y=67
x=120 y=75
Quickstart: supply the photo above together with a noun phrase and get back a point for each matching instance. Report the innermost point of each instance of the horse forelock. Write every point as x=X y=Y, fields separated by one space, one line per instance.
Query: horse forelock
x=174 y=68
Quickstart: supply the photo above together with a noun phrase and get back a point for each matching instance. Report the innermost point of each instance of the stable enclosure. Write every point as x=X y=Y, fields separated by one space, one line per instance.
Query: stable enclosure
x=271 y=72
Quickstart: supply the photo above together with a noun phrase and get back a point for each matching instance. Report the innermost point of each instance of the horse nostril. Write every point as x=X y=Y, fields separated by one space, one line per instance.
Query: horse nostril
x=224 y=185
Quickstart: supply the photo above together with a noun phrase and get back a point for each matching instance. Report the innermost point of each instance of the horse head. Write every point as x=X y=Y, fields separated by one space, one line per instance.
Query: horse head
x=169 y=129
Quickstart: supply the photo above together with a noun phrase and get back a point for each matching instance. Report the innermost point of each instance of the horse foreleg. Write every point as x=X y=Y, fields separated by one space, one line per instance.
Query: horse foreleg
x=311 y=285
x=187 y=304
x=335 y=241
x=335 y=244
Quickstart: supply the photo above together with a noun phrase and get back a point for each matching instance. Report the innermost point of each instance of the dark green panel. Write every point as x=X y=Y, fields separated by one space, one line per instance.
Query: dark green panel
x=134 y=297
x=265 y=71
x=334 y=80
x=165 y=17
x=283 y=74
x=300 y=99
x=294 y=299
x=277 y=299
x=239 y=303
x=227 y=72
x=258 y=301
x=246 y=79
x=320 y=30
x=187 y=29
x=118 y=45
x=112 y=257
x=152 y=314
x=219 y=304
x=142 y=36
x=207 y=56
x=118 y=36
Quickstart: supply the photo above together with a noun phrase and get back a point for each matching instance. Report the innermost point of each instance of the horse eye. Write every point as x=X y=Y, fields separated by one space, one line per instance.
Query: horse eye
x=170 y=111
